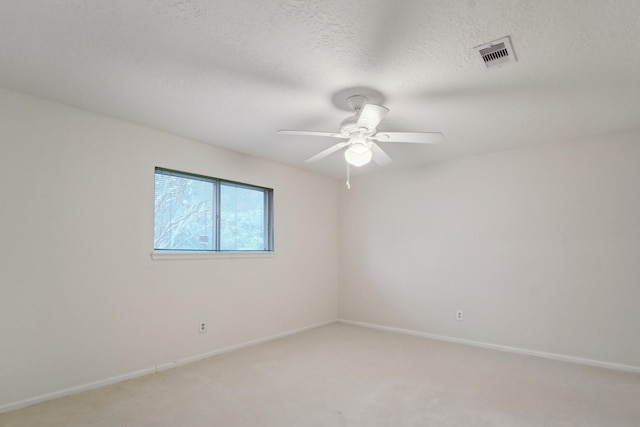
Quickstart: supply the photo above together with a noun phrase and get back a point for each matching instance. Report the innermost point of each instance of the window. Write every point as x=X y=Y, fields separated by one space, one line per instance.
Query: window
x=198 y=213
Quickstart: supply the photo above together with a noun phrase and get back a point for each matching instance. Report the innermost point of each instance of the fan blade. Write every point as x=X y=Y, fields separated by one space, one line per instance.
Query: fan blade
x=371 y=115
x=409 y=137
x=311 y=133
x=325 y=153
x=379 y=156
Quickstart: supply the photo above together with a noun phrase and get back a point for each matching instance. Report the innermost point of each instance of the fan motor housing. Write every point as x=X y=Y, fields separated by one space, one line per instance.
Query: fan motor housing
x=349 y=125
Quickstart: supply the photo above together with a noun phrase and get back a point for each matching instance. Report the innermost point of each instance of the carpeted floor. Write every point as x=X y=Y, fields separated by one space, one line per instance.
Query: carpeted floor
x=342 y=375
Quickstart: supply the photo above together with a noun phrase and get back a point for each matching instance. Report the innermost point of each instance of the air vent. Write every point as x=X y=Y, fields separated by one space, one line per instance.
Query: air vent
x=496 y=53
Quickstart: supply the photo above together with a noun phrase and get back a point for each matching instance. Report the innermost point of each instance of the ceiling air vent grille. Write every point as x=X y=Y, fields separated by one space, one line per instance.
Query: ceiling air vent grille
x=497 y=53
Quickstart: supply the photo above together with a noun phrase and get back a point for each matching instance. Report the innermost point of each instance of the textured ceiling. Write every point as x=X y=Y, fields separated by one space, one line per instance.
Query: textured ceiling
x=231 y=73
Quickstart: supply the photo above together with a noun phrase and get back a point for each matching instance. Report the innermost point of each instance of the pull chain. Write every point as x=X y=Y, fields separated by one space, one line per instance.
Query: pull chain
x=348 y=176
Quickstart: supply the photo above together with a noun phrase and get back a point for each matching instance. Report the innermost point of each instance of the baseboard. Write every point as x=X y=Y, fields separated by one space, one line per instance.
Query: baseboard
x=553 y=356
x=191 y=359
x=75 y=389
x=151 y=370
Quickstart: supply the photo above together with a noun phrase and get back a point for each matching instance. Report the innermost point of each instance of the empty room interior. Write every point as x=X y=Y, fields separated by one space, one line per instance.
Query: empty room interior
x=320 y=213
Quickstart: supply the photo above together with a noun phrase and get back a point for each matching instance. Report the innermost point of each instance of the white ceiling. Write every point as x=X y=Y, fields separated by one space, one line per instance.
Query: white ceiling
x=231 y=73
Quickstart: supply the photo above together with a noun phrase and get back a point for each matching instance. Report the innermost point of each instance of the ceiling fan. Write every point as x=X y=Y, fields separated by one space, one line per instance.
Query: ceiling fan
x=361 y=133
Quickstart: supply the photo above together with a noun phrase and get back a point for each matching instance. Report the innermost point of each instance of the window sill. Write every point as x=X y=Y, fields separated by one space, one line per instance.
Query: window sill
x=172 y=255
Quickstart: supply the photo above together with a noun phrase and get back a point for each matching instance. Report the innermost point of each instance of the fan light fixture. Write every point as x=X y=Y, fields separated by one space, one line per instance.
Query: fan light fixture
x=358 y=155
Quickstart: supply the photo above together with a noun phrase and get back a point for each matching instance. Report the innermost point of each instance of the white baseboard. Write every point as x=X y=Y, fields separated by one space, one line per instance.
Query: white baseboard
x=75 y=389
x=147 y=371
x=553 y=356
x=191 y=359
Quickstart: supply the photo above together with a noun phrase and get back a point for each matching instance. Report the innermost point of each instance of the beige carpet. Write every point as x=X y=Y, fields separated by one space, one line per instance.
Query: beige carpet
x=341 y=375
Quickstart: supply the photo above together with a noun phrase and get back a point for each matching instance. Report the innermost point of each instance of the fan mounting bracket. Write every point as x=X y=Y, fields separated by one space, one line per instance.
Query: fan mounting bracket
x=356 y=102
x=341 y=98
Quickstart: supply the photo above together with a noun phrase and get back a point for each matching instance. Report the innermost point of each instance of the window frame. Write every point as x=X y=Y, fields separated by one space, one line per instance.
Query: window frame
x=268 y=232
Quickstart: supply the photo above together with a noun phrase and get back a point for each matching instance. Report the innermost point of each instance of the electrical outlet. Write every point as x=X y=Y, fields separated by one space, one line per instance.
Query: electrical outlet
x=203 y=327
x=459 y=315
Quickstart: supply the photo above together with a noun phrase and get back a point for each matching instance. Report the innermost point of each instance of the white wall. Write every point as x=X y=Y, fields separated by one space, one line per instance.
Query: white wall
x=81 y=299
x=539 y=246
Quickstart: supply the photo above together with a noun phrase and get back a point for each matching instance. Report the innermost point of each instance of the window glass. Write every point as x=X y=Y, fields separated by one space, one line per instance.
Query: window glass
x=242 y=218
x=195 y=213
